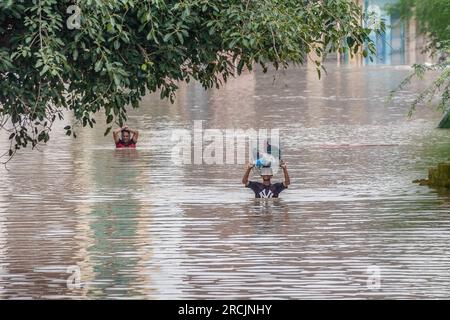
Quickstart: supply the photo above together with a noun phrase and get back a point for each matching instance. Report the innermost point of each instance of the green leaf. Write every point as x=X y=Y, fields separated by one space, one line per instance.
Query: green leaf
x=107 y=131
x=44 y=70
x=110 y=28
x=116 y=80
x=240 y=66
x=98 y=66
x=167 y=37
x=180 y=37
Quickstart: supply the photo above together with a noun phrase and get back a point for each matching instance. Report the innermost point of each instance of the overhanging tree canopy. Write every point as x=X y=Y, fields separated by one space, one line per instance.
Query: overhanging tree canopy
x=433 y=18
x=127 y=48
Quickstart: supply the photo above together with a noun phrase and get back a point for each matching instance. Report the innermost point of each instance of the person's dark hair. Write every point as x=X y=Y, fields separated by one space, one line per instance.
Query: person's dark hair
x=126 y=130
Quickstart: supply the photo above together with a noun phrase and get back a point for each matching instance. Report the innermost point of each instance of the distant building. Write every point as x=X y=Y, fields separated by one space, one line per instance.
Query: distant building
x=400 y=44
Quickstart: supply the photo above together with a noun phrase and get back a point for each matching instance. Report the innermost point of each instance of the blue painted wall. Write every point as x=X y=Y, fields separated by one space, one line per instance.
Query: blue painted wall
x=391 y=45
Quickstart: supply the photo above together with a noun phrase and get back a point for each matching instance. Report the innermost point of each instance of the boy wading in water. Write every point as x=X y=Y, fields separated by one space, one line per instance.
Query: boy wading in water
x=266 y=189
x=123 y=139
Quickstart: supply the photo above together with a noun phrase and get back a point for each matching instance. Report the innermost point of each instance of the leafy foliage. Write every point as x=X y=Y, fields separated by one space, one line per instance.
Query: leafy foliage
x=433 y=18
x=128 y=48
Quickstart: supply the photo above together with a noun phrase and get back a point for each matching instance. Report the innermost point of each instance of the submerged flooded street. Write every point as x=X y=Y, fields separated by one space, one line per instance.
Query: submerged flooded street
x=132 y=224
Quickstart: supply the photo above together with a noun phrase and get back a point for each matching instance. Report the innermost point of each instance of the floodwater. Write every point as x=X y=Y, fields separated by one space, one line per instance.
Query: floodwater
x=79 y=219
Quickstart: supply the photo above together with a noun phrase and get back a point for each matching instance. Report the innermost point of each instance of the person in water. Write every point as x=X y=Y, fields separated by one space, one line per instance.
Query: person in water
x=266 y=189
x=123 y=139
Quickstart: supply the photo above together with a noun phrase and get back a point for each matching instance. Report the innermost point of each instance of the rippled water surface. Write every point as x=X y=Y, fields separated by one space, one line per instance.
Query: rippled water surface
x=139 y=226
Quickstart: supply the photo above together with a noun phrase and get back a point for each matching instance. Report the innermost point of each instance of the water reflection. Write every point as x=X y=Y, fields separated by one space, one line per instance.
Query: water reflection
x=114 y=228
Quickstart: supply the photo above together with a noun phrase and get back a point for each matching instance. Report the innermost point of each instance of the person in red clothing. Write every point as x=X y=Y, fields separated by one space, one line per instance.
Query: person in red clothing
x=123 y=139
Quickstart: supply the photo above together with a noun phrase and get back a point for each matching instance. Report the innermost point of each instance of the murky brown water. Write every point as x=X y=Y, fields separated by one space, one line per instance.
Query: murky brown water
x=139 y=226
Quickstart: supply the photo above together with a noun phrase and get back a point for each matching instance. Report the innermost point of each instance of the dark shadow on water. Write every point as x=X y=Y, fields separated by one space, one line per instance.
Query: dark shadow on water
x=267 y=206
x=267 y=215
x=126 y=154
x=115 y=226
